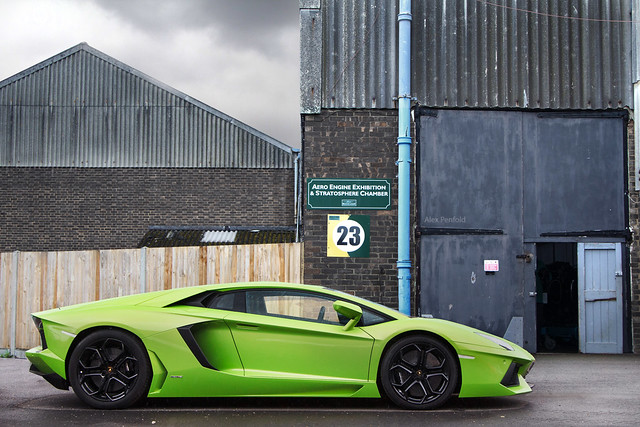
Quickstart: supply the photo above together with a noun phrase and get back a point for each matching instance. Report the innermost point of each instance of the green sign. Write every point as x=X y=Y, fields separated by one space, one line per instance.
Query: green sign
x=339 y=193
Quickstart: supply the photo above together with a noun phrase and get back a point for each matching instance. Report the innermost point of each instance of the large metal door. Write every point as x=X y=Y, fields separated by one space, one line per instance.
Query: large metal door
x=492 y=184
x=600 y=297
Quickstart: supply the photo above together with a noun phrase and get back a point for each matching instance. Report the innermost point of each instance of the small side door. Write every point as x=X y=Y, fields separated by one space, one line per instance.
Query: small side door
x=289 y=334
x=600 y=297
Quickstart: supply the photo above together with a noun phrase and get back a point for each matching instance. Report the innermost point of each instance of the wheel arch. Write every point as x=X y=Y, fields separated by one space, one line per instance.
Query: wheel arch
x=419 y=334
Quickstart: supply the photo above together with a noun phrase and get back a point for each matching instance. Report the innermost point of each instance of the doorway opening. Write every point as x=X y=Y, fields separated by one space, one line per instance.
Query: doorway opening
x=557 y=297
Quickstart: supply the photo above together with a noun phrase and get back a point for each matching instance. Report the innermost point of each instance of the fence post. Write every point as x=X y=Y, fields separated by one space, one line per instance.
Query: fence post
x=14 y=302
x=143 y=269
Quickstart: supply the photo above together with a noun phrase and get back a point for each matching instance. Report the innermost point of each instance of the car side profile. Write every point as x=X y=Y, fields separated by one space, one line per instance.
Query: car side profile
x=267 y=339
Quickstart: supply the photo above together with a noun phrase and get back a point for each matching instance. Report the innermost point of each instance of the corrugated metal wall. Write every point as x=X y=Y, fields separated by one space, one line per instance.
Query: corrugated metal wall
x=359 y=53
x=83 y=108
x=565 y=54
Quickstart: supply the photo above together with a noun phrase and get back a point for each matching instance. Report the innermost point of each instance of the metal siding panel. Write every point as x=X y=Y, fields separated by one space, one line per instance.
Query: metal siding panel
x=5 y=132
x=635 y=65
x=310 y=61
x=358 y=53
x=546 y=48
x=509 y=53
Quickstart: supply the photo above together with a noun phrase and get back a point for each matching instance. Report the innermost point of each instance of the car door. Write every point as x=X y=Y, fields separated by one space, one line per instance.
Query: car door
x=293 y=335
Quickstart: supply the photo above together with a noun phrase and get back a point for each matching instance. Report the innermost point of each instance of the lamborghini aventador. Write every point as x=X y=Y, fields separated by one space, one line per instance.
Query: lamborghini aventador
x=267 y=339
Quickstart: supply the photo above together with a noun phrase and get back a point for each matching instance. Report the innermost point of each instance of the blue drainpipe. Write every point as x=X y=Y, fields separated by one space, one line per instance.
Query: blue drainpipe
x=404 y=157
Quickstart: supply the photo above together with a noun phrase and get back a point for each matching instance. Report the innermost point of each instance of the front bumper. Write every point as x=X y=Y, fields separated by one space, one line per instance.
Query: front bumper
x=493 y=374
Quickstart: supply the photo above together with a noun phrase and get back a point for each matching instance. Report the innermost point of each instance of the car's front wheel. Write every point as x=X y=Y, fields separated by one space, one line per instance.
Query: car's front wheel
x=110 y=369
x=418 y=372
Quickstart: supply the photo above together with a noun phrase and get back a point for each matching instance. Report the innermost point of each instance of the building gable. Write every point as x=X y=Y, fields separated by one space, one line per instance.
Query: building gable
x=83 y=108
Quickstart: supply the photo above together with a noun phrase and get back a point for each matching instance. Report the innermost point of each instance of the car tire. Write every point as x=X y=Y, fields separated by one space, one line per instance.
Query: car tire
x=110 y=369
x=419 y=372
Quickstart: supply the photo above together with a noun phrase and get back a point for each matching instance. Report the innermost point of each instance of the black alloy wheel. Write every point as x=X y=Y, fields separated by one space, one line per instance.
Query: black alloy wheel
x=110 y=369
x=419 y=372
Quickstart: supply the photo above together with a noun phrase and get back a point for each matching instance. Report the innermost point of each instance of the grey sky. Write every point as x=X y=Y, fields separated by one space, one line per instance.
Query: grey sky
x=238 y=56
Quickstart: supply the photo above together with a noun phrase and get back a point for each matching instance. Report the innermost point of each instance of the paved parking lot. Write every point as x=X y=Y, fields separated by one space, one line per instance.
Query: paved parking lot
x=568 y=390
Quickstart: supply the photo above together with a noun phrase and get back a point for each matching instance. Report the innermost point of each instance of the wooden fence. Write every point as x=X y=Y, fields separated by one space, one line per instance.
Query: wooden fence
x=36 y=281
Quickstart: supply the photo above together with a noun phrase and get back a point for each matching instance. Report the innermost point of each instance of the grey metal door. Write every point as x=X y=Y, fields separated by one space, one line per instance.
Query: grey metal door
x=492 y=184
x=600 y=297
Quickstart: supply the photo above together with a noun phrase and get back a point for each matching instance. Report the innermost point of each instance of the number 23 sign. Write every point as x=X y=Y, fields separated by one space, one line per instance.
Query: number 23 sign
x=348 y=236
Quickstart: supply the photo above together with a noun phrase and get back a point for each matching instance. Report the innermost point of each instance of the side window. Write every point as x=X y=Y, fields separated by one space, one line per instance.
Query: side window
x=293 y=305
x=232 y=301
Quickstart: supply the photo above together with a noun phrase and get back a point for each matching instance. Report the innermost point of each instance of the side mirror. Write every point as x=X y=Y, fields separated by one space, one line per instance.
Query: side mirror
x=350 y=311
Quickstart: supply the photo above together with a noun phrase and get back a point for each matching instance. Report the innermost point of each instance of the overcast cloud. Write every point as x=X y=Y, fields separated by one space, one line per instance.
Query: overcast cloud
x=238 y=56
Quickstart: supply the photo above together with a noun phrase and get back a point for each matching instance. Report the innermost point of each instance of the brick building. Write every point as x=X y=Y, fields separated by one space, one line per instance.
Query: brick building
x=525 y=160
x=94 y=152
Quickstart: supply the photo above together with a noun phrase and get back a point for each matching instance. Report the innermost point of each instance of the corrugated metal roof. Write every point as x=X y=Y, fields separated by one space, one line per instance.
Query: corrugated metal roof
x=83 y=108
x=563 y=54
x=219 y=236
x=198 y=236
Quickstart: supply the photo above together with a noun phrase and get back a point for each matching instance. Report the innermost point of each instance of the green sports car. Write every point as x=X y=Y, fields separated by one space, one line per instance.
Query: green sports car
x=267 y=339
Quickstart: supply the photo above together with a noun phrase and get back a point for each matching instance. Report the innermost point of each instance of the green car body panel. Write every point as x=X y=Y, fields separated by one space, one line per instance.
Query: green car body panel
x=196 y=351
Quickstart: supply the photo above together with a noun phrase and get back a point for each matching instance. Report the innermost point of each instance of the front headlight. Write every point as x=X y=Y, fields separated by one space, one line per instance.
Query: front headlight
x=502 y=343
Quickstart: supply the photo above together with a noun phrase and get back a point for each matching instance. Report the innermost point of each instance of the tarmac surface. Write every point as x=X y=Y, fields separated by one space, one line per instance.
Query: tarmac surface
x=569 y=389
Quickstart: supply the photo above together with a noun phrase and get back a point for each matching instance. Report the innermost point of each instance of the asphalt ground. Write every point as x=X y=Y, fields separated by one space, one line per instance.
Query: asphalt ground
x=569 y=389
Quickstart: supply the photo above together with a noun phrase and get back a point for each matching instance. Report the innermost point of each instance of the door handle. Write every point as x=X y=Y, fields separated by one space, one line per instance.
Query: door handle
x=533 y=294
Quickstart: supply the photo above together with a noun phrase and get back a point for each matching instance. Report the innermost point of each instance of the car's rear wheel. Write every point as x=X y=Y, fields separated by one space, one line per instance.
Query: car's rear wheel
x=418 y=372
x=110 y=369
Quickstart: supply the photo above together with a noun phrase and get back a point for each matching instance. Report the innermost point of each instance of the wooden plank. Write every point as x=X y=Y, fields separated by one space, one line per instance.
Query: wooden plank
x=202 y=265
x=243 y=267
x=119 y=273
x=234 y=264
x=107 y=272
x=50 y=284
x=155 y=269
x=168 y=268
x=213 y=265
x=44 y=297
x=27 y=301
x=252 y=260
x=5 y=294
x=187 y=271
x=227 y=264
x=281 y=263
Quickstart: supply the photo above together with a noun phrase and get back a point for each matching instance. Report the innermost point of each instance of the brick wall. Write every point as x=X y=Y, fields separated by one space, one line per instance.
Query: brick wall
x=634 y=261
x=353 y=144
x=47 y=209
